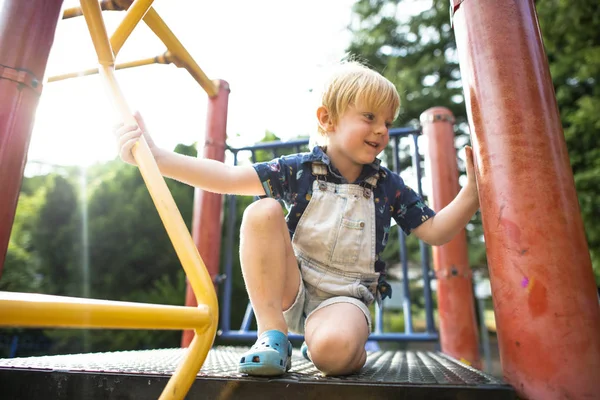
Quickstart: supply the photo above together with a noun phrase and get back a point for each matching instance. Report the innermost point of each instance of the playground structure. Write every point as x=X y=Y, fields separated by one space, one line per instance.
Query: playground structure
x=524 y=179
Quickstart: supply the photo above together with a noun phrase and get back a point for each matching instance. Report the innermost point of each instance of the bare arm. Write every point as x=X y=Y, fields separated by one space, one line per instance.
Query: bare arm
x=451 y=219
x=442 y=227
x=210 y=175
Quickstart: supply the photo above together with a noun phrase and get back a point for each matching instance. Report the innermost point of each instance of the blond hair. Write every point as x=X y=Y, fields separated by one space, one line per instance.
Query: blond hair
x=353 y=83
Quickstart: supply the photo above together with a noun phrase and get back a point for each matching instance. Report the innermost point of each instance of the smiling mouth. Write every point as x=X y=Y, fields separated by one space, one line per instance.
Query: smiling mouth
x=372 y=144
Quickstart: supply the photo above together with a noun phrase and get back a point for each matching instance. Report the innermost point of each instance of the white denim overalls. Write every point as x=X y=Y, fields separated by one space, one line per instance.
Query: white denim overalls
x=334 y=243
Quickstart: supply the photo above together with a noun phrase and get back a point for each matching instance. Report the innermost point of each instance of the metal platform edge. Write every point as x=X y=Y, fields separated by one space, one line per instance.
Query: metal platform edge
x=426 y=376
x=21 y=384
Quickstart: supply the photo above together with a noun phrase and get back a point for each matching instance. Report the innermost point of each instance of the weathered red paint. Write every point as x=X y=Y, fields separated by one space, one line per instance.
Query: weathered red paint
x=206 y=224
x=458 y=328
x=545 y=298
x=26 y=35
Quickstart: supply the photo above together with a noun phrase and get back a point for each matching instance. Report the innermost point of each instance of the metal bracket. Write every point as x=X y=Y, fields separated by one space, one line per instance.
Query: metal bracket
x=21 y=76
x=437 y=118
x=453 y=272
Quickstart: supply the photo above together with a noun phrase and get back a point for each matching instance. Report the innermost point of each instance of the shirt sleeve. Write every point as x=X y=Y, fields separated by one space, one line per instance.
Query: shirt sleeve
x=409 y=209
x=278 y=177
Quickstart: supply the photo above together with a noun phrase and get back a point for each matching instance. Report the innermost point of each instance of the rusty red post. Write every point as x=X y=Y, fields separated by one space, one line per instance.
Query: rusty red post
x=458 y=328
x=26 y=35
x=543 y=288
x=206 y=224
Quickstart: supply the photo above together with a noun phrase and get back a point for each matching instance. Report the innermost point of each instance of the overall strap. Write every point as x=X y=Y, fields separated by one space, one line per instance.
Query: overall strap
x=319 y=169
x=372 y=180
x=370 y=184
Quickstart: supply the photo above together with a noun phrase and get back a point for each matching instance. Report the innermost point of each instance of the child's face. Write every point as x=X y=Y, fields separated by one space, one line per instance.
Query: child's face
x=361 y=133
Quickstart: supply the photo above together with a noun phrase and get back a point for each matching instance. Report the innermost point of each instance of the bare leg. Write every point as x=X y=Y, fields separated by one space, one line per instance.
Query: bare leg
x=336 y=337
x=268 y=262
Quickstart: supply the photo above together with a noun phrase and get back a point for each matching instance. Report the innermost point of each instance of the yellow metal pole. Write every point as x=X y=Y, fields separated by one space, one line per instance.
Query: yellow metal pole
x=190 y=259
x=165 y=58
x=72 y=12
x=95 y=22
x=192 y=263
x=180 y=237
x=160 y=28
x=38 y=310
x=135 y=13
x=105 y=5
x=167 y=209
x=186 y=371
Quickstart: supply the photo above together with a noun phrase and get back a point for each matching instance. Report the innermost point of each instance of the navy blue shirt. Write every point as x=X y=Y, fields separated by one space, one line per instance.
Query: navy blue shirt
x=290 y=179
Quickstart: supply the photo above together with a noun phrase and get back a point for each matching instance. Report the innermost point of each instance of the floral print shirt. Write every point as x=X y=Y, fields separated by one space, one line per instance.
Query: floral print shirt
x=290 y=179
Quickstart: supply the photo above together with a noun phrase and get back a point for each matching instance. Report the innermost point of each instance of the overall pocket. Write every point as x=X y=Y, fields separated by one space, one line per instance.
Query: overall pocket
x=348 y=243
x=317 y=229
x=351 y=235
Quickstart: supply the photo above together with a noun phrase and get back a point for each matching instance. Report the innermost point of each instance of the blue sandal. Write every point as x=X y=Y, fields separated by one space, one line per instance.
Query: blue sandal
x=271 y=355
x=304 y=351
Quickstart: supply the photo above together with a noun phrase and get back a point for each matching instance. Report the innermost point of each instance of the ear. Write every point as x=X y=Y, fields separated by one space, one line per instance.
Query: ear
x=325 y=120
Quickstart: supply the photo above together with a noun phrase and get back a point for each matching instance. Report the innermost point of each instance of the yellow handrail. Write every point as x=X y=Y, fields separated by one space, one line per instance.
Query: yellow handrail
x=135 y=13
x=26 y=309
x=165 y=58
x=197 y=274
x=98 y=33
x=181 y=57
x=185 y=374
x=40 y=310
x=160 y=28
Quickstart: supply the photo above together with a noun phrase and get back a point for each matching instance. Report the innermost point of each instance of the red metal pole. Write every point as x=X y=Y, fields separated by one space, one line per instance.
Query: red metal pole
x=206 y=224
x=543 y=287
x=458 y=328
x=26 y=35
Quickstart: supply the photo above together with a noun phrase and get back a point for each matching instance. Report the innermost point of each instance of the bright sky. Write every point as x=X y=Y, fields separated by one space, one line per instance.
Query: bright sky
x=271 y=53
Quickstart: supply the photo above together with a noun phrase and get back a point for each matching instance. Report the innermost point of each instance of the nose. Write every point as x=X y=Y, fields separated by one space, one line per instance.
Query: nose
x=381 y=129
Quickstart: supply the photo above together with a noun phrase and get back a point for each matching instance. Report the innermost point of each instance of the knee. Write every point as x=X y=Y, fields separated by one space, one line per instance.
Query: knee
x=337 y=353
x=262 y=212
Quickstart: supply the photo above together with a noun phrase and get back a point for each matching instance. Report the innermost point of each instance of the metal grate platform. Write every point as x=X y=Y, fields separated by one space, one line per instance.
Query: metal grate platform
x=143 y=374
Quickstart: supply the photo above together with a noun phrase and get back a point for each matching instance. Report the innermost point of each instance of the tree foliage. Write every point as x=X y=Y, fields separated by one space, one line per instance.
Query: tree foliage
x=418 y=53
x=572 y=43
x=130 y=256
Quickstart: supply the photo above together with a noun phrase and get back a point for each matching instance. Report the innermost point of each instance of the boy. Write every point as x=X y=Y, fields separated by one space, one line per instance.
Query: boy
x=316 y=271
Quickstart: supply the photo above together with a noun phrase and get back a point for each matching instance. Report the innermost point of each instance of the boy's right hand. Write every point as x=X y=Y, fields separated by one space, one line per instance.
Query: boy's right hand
x=127 y=137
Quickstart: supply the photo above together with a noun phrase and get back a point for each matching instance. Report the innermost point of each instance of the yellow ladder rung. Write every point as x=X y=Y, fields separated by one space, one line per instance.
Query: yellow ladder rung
x=40 y=310
x=165 y=58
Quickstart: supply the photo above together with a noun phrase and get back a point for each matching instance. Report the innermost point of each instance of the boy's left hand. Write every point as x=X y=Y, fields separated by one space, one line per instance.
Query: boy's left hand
x=470 y=167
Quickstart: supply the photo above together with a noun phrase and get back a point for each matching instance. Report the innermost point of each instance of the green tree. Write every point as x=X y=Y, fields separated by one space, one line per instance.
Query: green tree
x=572 y=43
x=32 y=231
x=55 y=238
x=418 y=53
x=21 y=268
x=130 y=255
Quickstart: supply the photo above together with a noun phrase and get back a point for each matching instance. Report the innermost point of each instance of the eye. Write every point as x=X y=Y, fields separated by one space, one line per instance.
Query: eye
x=369 y=116
x=388 y=125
